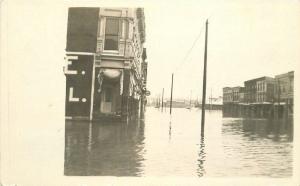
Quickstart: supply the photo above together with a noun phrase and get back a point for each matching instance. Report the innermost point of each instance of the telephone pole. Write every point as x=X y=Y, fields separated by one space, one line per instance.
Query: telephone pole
x=162 y=100
x=204 y=82
x=171 y=100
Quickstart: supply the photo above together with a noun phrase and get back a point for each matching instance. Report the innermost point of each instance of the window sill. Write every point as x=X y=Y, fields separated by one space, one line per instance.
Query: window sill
x=111 y=51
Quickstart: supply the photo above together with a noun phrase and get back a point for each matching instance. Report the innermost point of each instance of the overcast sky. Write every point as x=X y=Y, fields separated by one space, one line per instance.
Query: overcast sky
x=245 y=41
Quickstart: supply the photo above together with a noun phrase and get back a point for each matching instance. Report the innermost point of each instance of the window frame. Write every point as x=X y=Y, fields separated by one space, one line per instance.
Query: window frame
x=117 y=35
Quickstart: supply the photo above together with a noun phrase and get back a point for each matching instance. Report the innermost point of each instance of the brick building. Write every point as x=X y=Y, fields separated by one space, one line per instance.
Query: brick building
x=227 y=95
x=265 y=90
x=106 y=66
x=261 y=97
x=259 y=90
x=284 y=91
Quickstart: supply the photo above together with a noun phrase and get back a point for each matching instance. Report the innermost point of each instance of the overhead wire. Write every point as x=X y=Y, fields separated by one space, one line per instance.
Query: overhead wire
x=191 y=49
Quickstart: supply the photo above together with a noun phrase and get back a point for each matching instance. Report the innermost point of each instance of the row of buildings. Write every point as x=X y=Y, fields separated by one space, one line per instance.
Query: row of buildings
x=106 y=67
x=261 y=97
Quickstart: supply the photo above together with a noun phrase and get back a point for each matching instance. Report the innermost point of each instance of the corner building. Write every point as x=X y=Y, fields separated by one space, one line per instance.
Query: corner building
x=116 y=85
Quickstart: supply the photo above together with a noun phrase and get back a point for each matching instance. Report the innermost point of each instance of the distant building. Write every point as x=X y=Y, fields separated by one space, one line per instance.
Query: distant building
x=259 y=90
x=242 y=96
x=227 y=95
x=261 y=97
x=284 y=91
x=231 y=99
x=233 y=94
x=106 y=68
x=265 y=90
x=176 y=104
x=236 y=94
x=250 y=91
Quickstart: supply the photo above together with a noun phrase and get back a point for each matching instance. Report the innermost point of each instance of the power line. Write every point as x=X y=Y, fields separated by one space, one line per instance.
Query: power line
x=190 y=50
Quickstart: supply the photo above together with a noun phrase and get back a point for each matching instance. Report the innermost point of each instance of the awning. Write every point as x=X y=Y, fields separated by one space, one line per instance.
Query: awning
x=111 y=73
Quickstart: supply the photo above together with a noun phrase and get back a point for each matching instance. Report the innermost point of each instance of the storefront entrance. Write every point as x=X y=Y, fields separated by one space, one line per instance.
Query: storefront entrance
x=107 y=97
x=107 y=106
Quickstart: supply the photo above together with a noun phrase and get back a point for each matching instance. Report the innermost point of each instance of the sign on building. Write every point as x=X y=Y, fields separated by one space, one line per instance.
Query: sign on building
x=81 y=47
x=78 y=71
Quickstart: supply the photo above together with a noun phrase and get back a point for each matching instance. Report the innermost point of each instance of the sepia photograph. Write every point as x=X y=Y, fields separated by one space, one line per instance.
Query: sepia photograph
x=149 y=93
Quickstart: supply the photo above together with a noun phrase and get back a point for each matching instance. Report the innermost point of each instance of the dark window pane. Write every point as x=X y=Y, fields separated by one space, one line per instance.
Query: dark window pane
x=111 y=34
x=111 y=43
x=112 y=27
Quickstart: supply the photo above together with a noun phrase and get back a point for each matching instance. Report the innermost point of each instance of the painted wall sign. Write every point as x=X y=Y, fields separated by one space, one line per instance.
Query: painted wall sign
x=78 y=71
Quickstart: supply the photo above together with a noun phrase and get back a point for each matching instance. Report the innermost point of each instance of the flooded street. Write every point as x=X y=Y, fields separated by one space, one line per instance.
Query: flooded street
x=161 y=145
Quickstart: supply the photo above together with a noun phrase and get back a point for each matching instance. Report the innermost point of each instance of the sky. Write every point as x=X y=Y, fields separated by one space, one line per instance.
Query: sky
x=246 y=40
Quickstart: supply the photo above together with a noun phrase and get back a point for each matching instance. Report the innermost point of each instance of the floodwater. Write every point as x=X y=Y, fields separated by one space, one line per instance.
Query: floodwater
x=161 y=145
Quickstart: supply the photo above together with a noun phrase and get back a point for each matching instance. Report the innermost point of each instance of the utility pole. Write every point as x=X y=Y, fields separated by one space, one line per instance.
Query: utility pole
x=158 y=101
x=204 y=82
x=171 y=100
x=210 y=100
x=278 y=94
x=191 y=99
x=162 y=100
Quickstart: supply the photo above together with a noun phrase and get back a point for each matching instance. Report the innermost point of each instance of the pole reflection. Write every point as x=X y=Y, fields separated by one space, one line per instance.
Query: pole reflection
x=170 y=128
x=201 y=158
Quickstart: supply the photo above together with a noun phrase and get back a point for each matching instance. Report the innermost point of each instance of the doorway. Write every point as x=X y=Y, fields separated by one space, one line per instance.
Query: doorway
x=106 y=105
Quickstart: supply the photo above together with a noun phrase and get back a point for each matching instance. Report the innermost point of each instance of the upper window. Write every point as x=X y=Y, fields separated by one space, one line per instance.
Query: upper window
x=111 y=34
x=126 y=34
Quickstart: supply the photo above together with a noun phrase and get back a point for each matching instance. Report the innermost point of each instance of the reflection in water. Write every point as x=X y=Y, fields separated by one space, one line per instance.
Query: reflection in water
x=170 y=129
x=255 y=129
x=107 y=148
x=201 y=160
x=262 y=146
x=151 y=147
x=277 y=130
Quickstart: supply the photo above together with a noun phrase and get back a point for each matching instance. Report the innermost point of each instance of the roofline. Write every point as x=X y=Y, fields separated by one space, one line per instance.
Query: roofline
x=256 y=79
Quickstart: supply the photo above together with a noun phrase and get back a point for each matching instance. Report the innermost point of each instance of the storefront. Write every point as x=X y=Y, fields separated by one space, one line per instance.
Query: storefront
x=108 y=92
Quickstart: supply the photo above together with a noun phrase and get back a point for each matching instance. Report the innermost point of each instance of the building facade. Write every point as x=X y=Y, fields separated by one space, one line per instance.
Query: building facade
x=112 y=39
x=250 y=91
x=227 y=95
x=284 y=87
x=242 y=96
x=233 y=94
x=261 y=97
x=231 y=99
x=284 y=92
x=236 y=93
x=265 y=90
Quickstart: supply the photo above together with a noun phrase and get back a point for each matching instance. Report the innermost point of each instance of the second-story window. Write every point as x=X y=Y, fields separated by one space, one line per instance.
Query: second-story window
x=111 y=34
x=126 y=34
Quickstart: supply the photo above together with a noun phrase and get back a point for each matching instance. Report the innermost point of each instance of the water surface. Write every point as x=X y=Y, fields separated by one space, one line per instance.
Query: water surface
x=161 y=145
